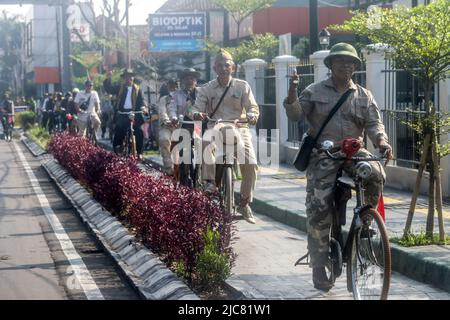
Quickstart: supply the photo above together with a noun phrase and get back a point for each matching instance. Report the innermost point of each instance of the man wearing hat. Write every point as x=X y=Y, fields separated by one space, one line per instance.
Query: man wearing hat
x=129 y=97
x=180 y=106
x=228 y=98
x=166 y=127
x=358 y=115
x=87 y=104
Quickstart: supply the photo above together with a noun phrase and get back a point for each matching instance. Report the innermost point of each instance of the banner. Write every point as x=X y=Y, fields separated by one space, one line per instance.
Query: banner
x=177 y=32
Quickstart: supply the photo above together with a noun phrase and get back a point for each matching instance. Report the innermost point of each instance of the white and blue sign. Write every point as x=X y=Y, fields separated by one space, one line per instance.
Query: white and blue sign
x=177 y=32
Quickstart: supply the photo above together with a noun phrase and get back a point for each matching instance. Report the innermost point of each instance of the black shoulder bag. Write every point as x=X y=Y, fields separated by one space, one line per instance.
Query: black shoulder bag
x=302 y=159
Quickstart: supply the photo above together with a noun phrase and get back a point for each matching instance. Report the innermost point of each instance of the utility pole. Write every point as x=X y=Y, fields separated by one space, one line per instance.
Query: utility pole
x=66 y=50
x=313 y=27
x=128 y=33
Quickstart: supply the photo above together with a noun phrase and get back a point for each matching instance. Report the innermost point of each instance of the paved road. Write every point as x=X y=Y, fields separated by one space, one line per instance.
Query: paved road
x=36 y=263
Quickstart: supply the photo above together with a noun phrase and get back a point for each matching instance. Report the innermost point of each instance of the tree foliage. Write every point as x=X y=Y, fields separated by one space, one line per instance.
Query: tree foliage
x=261 y=46
x=11 y=43
x=419 y=36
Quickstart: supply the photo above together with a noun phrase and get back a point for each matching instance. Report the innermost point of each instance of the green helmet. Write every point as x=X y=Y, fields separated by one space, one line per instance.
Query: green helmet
x=342 y=49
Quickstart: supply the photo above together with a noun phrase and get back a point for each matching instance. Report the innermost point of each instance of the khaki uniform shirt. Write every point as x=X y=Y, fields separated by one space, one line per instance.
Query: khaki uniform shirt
x=238 y=101
x=357 y=115
x=163 y=104
x=181 y=104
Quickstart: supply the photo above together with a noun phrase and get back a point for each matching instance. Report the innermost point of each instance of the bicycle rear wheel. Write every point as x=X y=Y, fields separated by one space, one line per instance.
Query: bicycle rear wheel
x=227 y=190
x=369 y=265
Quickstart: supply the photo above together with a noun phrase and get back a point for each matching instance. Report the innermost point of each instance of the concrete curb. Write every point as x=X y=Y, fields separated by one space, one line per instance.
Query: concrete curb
x=34 y=148
x=419 y=266
x=143 y=269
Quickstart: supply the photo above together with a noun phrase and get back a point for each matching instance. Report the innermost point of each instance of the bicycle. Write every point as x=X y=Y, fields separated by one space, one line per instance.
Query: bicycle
x=71 y=124
x=8 y=123
x=366 y=250
x=129 y=143
x=90 y=134
x=224 y=172
x=188 y=174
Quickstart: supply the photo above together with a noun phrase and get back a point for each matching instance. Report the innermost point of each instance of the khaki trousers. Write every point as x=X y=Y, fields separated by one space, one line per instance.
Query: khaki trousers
x=165 y=134
x=82 y=122
x=245 y=156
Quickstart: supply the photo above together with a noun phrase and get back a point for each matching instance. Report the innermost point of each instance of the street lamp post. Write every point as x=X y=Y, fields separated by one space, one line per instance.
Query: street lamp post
x=128 y=33
x=324 y=38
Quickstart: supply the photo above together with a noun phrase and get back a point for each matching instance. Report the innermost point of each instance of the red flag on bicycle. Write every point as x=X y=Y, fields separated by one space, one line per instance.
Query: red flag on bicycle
x=197 y=130
x=380 y=207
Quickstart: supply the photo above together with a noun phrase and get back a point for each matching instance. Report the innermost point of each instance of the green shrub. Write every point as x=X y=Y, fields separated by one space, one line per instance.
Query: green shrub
x=419 y=239
x=39 y=135
x=27 y=119
x=212 y=268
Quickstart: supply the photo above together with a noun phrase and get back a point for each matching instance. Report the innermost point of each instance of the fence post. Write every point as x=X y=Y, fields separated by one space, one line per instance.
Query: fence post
x=320 y=70
x=255 y=68
x=374 y=55
x=282 y=64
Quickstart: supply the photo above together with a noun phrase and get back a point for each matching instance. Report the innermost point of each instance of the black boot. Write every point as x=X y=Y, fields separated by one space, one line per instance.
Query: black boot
x=320 y=279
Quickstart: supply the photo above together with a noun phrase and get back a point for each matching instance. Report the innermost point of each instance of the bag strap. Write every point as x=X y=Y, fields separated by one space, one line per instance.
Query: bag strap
x=221 y=99
x=332 y=112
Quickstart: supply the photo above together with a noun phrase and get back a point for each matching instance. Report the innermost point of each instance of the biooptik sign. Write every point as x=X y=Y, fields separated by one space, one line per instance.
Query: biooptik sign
x=177 y=32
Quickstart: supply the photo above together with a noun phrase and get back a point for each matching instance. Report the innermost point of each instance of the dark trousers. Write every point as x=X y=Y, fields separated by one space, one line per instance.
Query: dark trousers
x=120 y=131
x=105 y=121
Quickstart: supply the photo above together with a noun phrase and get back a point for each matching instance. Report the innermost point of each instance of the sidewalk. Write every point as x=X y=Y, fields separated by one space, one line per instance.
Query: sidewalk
x=280 y=194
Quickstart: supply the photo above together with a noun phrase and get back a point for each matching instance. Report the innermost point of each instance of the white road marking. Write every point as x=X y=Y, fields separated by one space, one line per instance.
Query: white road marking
x=81 y=272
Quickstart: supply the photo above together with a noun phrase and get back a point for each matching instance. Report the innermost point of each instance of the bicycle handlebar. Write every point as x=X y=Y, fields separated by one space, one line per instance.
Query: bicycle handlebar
x=357 y=159
x=130 y=112
x=225 y=121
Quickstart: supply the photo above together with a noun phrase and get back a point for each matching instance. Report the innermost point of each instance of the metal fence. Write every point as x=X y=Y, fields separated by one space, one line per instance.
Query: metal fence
x=403 y=104
x=267 y=109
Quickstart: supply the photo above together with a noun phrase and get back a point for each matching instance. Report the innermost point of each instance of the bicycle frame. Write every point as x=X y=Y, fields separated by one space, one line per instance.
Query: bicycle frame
x=130 y=139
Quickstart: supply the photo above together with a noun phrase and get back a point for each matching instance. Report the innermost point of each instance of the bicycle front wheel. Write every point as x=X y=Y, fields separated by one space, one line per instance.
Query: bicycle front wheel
x=227 y=190
x=369 y=265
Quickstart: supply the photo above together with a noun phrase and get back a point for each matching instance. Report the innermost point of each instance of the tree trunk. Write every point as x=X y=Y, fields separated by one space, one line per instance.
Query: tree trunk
x=431 y=195
x=437 y=173
x=412 y=206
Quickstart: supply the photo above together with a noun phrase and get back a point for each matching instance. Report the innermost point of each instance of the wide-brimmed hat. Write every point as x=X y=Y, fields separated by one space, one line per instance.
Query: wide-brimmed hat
x=342 y=49
x=128 y=72
x=189 y=72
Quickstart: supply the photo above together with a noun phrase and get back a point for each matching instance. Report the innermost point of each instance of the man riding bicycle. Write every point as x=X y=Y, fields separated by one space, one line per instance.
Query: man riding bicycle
x=166 y=93
x=358 y=114
x=87 y=104
x=228 y=98
x=6 y=107
x=180 y=104
x=129 y=98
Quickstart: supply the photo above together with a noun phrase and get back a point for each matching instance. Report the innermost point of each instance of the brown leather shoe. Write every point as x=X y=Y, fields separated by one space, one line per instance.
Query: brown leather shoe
x=320 y=279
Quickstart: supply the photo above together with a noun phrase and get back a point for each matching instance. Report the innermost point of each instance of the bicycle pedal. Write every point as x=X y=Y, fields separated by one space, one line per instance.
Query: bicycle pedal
x=299 y=261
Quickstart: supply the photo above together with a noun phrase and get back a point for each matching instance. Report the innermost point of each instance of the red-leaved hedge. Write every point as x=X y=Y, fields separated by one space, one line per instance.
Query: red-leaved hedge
x=171 y=219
